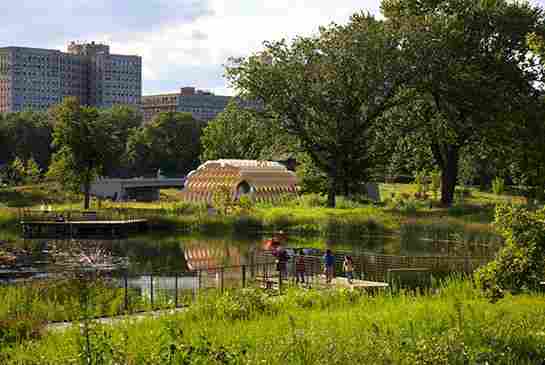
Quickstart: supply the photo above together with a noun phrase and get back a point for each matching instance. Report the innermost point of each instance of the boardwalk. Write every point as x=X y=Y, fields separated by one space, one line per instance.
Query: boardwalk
x=82 y=229
x=74 y=224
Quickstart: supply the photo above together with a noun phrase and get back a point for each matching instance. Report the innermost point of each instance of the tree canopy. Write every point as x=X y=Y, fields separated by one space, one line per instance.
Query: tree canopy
x=84 y=143
x=327 y=91
x=170 y=142
x=26 y=135
x=472 y=70
x=242 y=133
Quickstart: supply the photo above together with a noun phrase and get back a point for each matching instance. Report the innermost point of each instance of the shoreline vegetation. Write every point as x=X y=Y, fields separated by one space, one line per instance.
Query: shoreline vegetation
x=306 y=215
x=452 y=323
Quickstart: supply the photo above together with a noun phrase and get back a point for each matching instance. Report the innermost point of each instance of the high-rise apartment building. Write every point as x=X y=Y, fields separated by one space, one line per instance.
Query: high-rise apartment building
x=203 y=105
x=33 y=78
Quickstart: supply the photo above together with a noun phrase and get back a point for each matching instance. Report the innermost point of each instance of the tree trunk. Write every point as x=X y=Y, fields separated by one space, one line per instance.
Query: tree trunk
x=331 y=194
x=540 y=188
x=449 y=175
x=87 y=189
x=346 y=188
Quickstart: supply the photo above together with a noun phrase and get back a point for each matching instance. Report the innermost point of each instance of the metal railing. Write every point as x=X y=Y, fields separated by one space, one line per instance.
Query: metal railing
x=147 y=291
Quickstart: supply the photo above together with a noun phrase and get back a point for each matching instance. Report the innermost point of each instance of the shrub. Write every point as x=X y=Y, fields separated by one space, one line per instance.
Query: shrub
x=498 y=186
x=185 y=208
x=422 y=184
x=346 y=203
x=245 y=204
x=312 y=200
x=519 y=264
x=241 y=305
x=435 y=183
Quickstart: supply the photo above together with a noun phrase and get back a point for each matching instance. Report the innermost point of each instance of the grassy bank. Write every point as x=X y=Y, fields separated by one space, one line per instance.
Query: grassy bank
x=454 y=325
x=398 y=211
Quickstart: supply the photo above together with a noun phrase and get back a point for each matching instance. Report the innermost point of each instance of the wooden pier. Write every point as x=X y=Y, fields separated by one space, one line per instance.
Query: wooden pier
x=47 y=225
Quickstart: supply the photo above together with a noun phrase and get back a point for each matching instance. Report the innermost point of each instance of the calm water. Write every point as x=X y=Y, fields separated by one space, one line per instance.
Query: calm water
x=171 y=252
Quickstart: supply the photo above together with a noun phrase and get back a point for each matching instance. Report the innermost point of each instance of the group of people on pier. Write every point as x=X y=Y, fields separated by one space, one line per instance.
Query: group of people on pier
x=328 y=259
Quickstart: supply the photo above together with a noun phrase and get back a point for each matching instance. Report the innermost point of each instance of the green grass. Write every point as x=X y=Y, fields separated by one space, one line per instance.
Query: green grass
x=36 y=195
x=305 y=215
x=454 y=325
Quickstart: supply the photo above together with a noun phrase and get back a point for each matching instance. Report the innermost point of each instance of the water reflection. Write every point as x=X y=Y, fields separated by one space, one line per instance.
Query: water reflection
x=176 y=253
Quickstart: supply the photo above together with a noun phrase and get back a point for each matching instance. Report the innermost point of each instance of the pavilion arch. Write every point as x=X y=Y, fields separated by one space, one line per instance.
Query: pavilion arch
x=262 y=180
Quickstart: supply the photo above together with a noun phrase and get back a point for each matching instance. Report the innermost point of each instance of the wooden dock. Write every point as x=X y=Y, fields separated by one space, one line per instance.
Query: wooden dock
x=356 y=284
x=319 y=282
x=104 y=229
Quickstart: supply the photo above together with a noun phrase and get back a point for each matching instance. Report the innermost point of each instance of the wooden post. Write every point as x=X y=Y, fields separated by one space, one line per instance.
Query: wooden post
x=243 y=276
x=221 y=279
x=361 y=267
x=176 y=290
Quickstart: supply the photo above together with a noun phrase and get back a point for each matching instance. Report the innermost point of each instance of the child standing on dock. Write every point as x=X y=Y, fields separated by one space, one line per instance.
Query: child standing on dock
x=348 y=267
x=329 y=261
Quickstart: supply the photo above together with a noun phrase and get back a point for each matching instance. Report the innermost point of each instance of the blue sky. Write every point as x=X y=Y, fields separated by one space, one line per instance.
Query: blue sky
x=182 y=42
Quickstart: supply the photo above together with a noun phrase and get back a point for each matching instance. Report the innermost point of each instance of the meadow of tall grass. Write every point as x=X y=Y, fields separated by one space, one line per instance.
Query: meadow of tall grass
x=452 y=324
x=27 y=307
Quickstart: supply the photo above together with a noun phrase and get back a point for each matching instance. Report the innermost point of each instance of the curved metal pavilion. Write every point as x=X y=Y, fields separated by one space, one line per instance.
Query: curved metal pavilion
x=261 y=180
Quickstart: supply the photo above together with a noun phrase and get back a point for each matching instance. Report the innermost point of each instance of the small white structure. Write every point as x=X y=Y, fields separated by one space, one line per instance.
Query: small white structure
x=138 y=189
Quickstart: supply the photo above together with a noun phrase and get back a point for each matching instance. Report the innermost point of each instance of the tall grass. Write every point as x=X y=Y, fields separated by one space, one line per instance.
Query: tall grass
x=66 y=299
x=306 y=215
x=456 y=325
x=8 y=218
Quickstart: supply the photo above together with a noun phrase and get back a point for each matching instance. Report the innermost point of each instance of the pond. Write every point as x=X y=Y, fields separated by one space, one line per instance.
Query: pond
x=178 y=252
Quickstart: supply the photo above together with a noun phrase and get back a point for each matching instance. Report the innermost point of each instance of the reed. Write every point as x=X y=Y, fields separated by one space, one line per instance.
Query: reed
x=453 y=324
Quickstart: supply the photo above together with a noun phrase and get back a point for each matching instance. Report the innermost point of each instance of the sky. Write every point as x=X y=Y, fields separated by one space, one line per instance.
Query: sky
x=182 y=42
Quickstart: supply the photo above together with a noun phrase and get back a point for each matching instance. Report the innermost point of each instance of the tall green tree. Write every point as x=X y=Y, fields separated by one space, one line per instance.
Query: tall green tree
x=242 y=133
x=472 y=68
x=328 y=90
x=84 y=143
x=528 y=155
x=170 y=142
x=26 y=135
x=123 y=121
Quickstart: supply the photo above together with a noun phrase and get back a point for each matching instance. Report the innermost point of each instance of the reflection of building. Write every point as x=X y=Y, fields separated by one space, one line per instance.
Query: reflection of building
x=260 y=180
x=202 y=258
x=202 y=105
x=33 y=78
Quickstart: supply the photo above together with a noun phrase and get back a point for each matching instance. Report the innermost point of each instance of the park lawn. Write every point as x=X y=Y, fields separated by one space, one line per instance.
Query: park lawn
x=454 y=325
x=307 y=215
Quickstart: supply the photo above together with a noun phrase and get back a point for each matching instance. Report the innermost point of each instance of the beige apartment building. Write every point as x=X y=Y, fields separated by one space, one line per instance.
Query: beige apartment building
x=34 y=78
x=203 y=105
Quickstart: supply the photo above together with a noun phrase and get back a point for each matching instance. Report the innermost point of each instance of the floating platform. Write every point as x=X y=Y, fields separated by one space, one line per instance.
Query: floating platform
x=319 y=282
x=111 y=229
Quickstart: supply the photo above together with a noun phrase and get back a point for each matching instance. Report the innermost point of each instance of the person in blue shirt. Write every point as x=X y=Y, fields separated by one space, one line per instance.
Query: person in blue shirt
x=329 y=261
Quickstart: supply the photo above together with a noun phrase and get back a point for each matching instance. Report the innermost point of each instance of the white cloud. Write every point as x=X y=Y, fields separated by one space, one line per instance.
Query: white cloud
x=193 y=52
x=176 y=53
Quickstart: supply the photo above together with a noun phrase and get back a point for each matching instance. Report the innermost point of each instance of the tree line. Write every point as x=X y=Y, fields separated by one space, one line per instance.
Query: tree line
x=74 y=144
x=455 y=85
